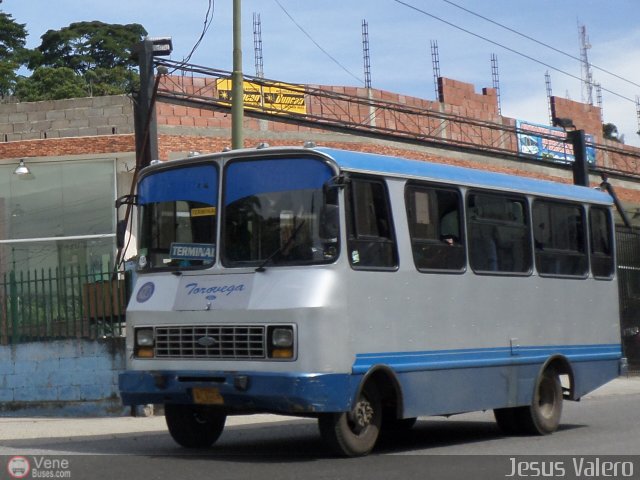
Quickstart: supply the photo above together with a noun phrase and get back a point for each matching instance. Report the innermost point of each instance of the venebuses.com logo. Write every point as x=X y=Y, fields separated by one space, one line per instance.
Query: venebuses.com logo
x=38 y=467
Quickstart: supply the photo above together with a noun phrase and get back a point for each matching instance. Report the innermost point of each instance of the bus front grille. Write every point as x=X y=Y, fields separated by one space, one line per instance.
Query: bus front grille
x=219 y=341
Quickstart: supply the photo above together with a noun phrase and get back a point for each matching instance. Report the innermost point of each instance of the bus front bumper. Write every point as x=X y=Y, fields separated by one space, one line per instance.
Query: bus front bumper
x=242 y=392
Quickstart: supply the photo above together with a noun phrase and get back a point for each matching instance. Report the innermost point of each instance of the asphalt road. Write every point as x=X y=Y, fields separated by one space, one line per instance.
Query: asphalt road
x=602 y=427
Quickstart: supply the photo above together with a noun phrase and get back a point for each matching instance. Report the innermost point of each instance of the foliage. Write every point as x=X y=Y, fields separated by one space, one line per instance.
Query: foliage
x=85 y=46
x=47 y=83
x=83 y=59
x=12 y=51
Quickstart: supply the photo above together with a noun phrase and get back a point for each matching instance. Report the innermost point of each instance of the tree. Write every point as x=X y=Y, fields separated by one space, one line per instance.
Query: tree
x=48 y=83
x=96 y=53
x=13 y=37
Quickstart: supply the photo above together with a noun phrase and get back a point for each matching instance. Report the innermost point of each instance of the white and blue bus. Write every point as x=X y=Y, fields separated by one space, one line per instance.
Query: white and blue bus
x=365 y=290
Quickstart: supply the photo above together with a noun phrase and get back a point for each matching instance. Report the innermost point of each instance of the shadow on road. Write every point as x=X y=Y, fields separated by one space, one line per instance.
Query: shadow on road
x=275 y=442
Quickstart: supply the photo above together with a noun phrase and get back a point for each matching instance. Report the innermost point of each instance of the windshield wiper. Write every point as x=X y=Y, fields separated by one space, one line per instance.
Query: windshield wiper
x=281 y=248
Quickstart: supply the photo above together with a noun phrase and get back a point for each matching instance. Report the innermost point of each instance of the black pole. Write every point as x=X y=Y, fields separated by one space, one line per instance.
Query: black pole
x=146 y=130
x=580 y=164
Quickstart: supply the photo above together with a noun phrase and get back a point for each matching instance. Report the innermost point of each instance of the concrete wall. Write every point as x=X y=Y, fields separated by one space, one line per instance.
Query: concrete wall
x=61 y=378
x=77 y=117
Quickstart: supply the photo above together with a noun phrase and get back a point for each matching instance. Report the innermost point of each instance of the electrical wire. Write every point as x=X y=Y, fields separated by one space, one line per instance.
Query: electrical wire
x=317 y=44
x=208 y=21
x=512 y=50
x=539 y=42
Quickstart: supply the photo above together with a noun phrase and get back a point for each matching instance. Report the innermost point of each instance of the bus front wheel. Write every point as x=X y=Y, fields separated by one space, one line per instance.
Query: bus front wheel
x=354 y=433
x=194 y=426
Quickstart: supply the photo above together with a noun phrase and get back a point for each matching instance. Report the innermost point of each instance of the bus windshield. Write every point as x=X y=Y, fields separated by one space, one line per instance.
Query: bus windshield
x=178 y=217
x=276 y=212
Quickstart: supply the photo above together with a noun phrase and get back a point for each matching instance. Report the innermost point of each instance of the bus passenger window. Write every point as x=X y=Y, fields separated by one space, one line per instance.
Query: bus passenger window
x=434 y=216
x=371 y=239
x=499 y=239
x=558 y=231
x=602 y=265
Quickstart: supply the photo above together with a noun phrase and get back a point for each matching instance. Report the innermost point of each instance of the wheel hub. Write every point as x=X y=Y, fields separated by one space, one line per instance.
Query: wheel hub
x=362 y=414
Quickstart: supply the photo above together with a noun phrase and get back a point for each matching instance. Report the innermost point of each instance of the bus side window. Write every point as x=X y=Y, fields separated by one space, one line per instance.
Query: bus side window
x=434 y=216
x=371 y=240
x=602 y=265
x=559 y=235
x=499 y=238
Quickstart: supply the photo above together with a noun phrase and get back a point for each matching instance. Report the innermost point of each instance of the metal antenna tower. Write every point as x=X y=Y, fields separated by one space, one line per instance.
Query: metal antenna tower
x=587 y=74
x=547 y=82
x=435 y=62
x=257 y=45
x=598 y=88
x=638 y=113
x=495 y=77
x=365 y=54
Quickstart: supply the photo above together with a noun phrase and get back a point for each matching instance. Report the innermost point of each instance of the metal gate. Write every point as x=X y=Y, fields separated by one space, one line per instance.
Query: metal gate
x=628 y=245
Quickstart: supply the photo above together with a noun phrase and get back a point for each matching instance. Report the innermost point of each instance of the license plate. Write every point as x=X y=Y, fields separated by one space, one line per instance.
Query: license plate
x=207 y=396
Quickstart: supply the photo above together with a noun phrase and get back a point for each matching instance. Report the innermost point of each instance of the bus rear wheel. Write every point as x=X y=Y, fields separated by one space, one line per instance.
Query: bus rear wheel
x=354 y=433
x=542 y=417
x=194 y=426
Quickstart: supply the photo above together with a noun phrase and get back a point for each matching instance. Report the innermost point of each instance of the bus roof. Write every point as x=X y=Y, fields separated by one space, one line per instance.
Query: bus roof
x=394 y=166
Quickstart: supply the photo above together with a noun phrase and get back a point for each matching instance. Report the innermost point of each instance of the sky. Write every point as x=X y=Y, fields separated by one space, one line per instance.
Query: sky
x=320 y=42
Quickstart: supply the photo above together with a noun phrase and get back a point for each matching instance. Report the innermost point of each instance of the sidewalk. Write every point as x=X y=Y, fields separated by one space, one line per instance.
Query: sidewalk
x=26 y=428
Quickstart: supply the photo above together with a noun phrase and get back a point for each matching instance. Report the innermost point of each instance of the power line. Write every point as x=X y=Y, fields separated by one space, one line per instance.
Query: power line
x=208 y=20
x=539 y=42
x=512 y=50
x=317 y=44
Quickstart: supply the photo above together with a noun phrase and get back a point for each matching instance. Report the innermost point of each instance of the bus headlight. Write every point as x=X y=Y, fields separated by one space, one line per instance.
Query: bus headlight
x=145 y=342
x=281 y=342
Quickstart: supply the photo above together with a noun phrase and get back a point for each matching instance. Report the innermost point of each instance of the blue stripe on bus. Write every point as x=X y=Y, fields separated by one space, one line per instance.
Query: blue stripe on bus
x=487 y=357
x=358 y=161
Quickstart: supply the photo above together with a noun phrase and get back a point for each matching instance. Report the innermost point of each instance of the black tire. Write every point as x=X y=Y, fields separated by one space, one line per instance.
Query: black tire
x=194 y=426
x=542 y=417
x=354 y=433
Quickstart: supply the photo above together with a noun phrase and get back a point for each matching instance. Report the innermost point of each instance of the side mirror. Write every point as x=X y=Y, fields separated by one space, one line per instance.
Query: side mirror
x=126 y=200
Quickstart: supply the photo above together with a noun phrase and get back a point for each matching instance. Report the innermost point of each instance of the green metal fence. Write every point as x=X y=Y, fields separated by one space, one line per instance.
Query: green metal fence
x=60 y=303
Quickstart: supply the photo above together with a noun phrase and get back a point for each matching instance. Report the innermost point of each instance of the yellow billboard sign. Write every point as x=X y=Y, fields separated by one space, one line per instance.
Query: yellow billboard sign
x=281 y=97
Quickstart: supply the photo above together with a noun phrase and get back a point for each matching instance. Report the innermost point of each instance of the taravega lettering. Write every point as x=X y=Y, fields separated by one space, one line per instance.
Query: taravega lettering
x=195 y=289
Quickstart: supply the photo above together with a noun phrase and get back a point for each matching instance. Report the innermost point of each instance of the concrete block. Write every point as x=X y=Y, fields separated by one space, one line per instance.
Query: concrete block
x=91 y=392
x=14 y=381
x=89 y=348
x=35 y=394
x=6 y=395
x=68 y=393
x=87 y=132
x=113 y=110
x=6 y=353
x=25 y=368
x=56 y=115
x=40 y=378
x=67 y=349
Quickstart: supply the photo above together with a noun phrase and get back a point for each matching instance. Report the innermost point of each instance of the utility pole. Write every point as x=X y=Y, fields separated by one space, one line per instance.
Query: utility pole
x=146 y=133
x=237 y=90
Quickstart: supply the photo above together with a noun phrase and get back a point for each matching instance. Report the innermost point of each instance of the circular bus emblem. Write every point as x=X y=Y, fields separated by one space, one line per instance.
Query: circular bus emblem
x=18 y=467
x=145 y=292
